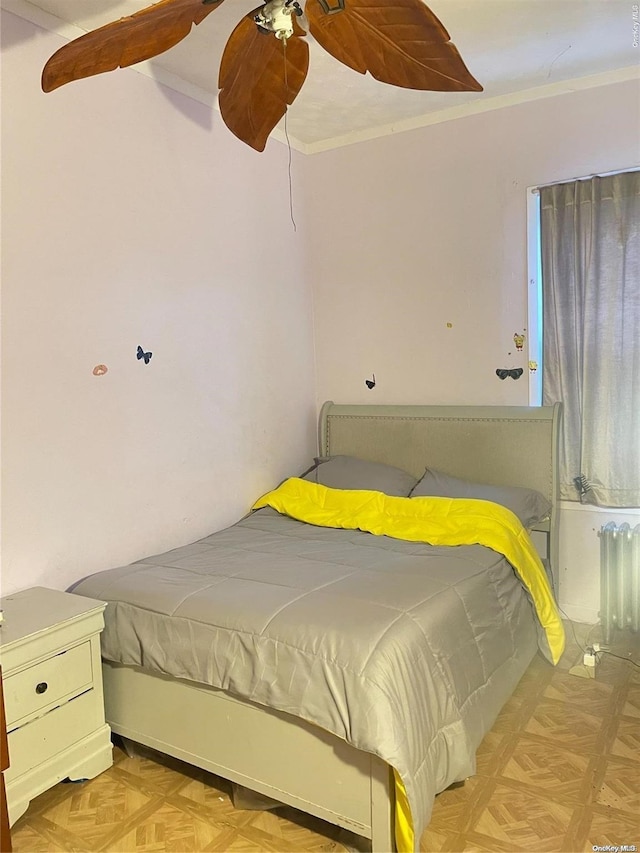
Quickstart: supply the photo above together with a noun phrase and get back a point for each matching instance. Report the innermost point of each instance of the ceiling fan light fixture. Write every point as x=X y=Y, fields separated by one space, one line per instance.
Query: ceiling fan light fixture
x=275 y=17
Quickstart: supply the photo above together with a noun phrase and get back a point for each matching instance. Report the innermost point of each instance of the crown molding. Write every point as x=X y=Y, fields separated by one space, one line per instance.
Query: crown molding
x=485 y=105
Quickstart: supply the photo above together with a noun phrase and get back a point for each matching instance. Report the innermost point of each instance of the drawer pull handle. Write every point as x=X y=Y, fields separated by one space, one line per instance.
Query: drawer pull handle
x=42 y=687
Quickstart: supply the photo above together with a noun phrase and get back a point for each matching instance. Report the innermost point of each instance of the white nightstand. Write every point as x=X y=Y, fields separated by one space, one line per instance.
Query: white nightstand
x=52 y=676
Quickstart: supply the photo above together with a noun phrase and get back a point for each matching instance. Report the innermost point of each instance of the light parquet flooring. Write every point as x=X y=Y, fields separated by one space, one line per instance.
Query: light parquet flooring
x=559 y=771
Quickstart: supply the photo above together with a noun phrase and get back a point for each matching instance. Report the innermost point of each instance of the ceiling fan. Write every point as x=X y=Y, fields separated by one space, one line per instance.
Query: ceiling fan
x=266 y=59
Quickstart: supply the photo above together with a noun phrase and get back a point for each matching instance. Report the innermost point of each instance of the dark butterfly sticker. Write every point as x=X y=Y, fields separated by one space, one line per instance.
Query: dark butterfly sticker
x=515 y=373
x=144 y=355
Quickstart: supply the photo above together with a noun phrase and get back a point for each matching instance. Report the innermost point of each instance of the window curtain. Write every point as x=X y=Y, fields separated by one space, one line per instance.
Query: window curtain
x=590 y=247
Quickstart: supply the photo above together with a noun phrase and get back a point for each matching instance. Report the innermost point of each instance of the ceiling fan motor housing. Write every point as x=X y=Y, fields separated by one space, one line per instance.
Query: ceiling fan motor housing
x=275 y=17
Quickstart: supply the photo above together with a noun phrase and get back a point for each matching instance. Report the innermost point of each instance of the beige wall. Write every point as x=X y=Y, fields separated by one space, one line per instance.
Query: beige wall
x=130 y=216
x=415 y=231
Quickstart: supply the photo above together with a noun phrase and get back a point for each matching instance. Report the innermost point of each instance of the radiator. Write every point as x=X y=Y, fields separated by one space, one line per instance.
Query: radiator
x=619 y=578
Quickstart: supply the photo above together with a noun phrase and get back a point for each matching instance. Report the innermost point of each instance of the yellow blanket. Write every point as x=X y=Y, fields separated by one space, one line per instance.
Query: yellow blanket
x=437 y=521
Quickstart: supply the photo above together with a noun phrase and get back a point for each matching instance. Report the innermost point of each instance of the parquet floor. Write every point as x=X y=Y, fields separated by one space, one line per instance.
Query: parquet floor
x=559 y=771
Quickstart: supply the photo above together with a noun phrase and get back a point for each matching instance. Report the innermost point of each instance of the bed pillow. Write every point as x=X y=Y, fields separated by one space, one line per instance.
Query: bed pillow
x=529 y=505
x=348 y=472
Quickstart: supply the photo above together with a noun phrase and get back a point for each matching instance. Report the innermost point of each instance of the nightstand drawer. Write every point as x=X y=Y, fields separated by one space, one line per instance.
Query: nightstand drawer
x=40 y=740
x=47 y=684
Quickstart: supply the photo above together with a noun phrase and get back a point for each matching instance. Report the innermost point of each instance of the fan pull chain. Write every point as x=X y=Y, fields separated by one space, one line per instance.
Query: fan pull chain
x=286 y=130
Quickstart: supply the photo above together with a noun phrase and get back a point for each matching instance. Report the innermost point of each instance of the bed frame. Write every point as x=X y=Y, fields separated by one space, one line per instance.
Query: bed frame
x=281 y=756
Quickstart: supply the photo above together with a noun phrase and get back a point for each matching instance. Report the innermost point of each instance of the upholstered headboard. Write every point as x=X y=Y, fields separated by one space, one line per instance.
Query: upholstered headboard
x=499 y=445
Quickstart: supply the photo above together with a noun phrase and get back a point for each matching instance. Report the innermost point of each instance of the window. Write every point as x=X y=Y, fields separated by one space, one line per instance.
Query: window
x=584 y=330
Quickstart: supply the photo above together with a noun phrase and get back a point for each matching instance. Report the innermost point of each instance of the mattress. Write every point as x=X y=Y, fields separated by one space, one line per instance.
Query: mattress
x=404 y=650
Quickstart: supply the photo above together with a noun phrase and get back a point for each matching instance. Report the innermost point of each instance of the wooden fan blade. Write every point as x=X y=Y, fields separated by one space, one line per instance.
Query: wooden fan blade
x=397 y=41
x=125 y=42
x=259 y=76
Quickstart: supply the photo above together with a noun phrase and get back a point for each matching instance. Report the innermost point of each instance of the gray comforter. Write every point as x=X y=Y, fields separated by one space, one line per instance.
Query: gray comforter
x=404 y=650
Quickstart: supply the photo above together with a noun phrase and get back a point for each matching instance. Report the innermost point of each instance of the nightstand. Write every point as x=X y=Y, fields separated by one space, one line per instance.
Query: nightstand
x=52 y=678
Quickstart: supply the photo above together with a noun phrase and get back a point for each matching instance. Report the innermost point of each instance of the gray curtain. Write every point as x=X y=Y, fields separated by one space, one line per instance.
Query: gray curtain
x=590 y=245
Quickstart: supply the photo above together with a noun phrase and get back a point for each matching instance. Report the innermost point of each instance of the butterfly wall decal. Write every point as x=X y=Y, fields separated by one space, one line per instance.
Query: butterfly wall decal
x=265 y=61
x=514 y=373
x=141 y=354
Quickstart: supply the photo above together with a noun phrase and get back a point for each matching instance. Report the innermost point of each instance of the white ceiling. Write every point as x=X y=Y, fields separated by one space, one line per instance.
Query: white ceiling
x=517 y=49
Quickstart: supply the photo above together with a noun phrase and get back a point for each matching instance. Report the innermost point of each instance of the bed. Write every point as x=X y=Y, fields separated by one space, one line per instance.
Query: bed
x=357 y=679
